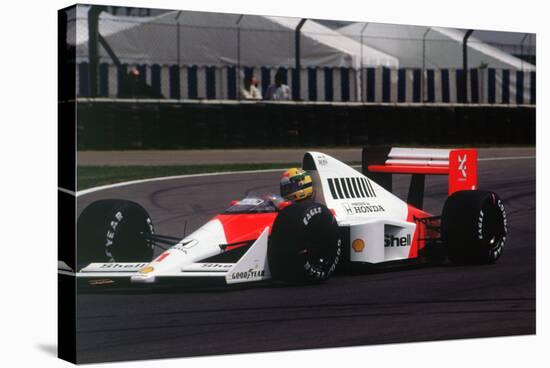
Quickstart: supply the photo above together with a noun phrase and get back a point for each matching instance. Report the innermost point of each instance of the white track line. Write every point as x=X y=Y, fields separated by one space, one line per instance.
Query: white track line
x=116 y=185
x=66 y=191
x=140 y=181
x=507 y=158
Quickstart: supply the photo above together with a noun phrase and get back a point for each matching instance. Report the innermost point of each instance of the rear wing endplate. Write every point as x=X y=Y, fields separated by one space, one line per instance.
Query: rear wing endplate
x=460 y=165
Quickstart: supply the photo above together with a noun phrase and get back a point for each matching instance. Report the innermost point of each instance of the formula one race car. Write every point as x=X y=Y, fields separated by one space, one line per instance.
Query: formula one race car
x=354 y=219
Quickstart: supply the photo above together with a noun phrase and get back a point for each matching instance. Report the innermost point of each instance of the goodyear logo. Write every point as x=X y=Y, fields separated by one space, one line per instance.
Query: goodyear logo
x=246 y=275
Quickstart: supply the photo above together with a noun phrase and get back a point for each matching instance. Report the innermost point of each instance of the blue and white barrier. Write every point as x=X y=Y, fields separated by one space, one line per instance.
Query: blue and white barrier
x=486 y=85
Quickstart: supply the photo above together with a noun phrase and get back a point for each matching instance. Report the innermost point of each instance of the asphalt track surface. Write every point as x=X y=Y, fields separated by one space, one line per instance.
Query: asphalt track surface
x=403 y=305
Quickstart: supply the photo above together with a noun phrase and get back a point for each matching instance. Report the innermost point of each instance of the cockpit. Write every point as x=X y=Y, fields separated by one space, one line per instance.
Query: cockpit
x=254 y=203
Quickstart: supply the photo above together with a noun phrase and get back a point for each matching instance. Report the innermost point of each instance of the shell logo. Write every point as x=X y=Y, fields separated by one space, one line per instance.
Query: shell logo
x=358 y=245
x=147 y=269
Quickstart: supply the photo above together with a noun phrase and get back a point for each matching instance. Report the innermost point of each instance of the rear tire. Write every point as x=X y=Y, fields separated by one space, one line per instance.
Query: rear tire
x=305 y=245
x=473 y=227
x=113 y=230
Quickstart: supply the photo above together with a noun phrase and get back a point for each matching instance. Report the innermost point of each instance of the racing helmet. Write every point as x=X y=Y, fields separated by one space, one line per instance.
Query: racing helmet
x=296 y=184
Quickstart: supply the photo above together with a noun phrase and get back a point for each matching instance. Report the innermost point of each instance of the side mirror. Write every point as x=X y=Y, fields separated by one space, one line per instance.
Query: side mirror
x=284 y=205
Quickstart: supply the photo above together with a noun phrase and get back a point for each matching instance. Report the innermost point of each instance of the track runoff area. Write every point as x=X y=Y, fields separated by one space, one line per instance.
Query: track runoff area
x=402 y=305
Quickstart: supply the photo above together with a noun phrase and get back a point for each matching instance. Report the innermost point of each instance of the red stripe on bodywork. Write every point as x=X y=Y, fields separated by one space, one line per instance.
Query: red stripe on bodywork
x=420 y=233
x=243 y=227
x=162 y=256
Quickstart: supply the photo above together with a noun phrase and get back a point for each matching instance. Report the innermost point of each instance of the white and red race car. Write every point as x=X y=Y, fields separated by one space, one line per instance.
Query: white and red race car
x=354 y=219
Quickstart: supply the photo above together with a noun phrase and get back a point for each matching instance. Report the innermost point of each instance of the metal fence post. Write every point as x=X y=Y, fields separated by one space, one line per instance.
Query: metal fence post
x=465 y=65
x=423 y=85
x=238 y=77
x=297 y=67
x=178 y=38
x=93 y=33
x=362 y=66
x=521 y=49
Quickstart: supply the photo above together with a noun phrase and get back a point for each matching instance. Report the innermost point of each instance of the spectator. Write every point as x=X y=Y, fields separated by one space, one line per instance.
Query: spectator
x=249 y=91
x=278 y=91
x=134 y=87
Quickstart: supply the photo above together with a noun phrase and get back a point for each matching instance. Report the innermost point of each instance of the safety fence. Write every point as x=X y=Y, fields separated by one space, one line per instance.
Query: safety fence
x=381 y=84
x=199 y=55
x=169 y=124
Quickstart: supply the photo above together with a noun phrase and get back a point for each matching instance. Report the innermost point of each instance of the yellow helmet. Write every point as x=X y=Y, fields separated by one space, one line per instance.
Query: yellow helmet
x=296 y=184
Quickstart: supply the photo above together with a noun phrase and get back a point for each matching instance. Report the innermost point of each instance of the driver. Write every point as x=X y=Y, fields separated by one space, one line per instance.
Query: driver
x=296 y=185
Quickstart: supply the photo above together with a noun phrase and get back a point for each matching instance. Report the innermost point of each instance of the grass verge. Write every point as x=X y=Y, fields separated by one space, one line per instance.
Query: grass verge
x=93 y=176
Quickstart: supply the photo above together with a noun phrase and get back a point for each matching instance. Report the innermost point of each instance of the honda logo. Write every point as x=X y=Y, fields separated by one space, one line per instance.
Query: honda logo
x=348 y=208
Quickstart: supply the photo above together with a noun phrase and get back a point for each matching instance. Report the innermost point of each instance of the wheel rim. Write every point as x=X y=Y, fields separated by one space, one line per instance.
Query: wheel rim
x=493 y=227
x=317 y=248
x=129 y=241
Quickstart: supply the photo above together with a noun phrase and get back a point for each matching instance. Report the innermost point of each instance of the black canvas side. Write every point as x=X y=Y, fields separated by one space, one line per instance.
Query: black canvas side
x=66 y=198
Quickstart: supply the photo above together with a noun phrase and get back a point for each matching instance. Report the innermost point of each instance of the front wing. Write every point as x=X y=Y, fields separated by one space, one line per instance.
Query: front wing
x=252 y=266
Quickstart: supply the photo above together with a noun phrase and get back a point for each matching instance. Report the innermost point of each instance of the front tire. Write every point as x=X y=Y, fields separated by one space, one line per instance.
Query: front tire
x=113 y=230
x=305 y=245
x=473 y=227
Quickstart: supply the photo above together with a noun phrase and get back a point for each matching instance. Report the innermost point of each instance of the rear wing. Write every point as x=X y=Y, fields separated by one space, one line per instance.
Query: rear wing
x=460 y=165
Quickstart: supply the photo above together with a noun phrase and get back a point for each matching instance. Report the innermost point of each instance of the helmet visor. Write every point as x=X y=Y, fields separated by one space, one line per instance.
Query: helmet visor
x=289 y=187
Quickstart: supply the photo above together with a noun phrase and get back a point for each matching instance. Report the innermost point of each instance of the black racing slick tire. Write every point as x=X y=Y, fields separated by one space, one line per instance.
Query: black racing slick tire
x=305 y=245
x=473 y=227
x=113 y=230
